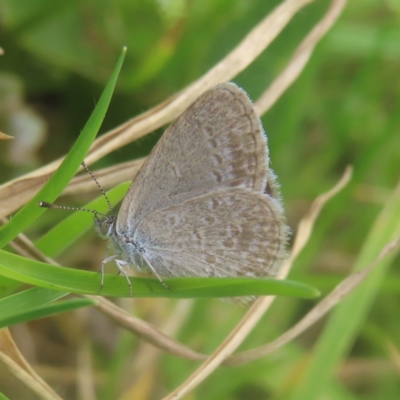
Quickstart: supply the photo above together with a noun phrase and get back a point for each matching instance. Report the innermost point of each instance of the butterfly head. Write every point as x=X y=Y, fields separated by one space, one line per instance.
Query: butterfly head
x=105 y=225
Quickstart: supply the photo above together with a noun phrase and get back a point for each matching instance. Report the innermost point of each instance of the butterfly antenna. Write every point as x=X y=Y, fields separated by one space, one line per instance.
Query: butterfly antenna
x=99 y=186
x=44 y=204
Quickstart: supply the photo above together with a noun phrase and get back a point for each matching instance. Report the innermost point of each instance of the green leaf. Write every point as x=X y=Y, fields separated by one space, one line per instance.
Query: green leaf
x=59 y=180
x=34 y=303
x=27 y=300
x=45 y=311
x=77 y=281
x=73 y=227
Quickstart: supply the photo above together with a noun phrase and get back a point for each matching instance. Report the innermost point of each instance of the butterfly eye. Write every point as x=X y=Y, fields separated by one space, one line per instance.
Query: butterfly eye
x=103 y=227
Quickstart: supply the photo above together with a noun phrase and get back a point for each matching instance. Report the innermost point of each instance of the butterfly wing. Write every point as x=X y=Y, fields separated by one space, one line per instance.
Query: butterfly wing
x=217 y=142
x=231 y=232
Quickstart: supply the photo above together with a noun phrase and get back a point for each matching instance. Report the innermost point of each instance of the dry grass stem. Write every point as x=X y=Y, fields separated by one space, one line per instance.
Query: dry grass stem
x=299 y=59
x=109 y=178
x=145 y=330
x=307 y=223
x=333 y=298
x=18 y=191
x=227 y=347
x=260 y=306
x=85 y=381
x=145 y=365
x=3 y=136
x=14 y=361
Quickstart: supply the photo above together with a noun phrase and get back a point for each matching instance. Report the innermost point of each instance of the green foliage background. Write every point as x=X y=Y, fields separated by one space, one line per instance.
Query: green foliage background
x=344 y=109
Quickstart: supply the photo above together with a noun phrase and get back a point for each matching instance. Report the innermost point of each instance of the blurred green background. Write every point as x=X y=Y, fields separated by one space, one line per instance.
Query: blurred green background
x=344 y=109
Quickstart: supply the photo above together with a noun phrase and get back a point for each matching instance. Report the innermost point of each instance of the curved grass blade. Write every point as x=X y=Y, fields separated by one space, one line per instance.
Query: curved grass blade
x=45 y=311
x=77 y=281
x=36 y=303
x=27 y=300
x=59 y=180
x=77 y=224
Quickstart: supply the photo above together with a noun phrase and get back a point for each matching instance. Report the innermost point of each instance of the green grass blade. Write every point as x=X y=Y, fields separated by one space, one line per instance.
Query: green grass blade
x=77 y=281
x=34 y=303
x=345 y=322
x=59 y=180
x=27 y=300
x=45 y=311
x=73 y=227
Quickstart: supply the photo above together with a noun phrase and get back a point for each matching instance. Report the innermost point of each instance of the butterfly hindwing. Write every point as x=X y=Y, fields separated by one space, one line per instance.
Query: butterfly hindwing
x=232 y=232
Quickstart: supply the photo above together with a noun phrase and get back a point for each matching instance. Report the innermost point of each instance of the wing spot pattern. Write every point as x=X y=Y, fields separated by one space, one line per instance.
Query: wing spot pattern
x=229 y=243
x=209 y=219
x=213 y=143
x=217 y=176
x=212 y=204
x=210 y=259
x=217 y=159
x=209 y=131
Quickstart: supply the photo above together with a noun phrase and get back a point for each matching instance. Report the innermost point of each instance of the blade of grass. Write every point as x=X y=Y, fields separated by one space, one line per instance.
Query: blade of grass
x=343 y=326
x=77 y=281
x=45 y=311
x=27 y=300
x=59 y=180
x=33 y=303
x=72 y=228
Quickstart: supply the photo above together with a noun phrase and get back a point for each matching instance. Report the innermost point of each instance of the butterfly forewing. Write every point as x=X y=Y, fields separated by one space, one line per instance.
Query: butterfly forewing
x=218 y=142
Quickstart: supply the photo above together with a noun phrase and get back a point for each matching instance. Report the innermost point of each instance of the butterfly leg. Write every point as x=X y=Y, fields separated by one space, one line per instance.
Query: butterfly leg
x=155 y=273
x=104 y=262
x=120 y=265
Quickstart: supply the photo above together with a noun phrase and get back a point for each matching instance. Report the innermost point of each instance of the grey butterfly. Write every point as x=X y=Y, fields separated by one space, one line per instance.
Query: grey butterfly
x=205 y=202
